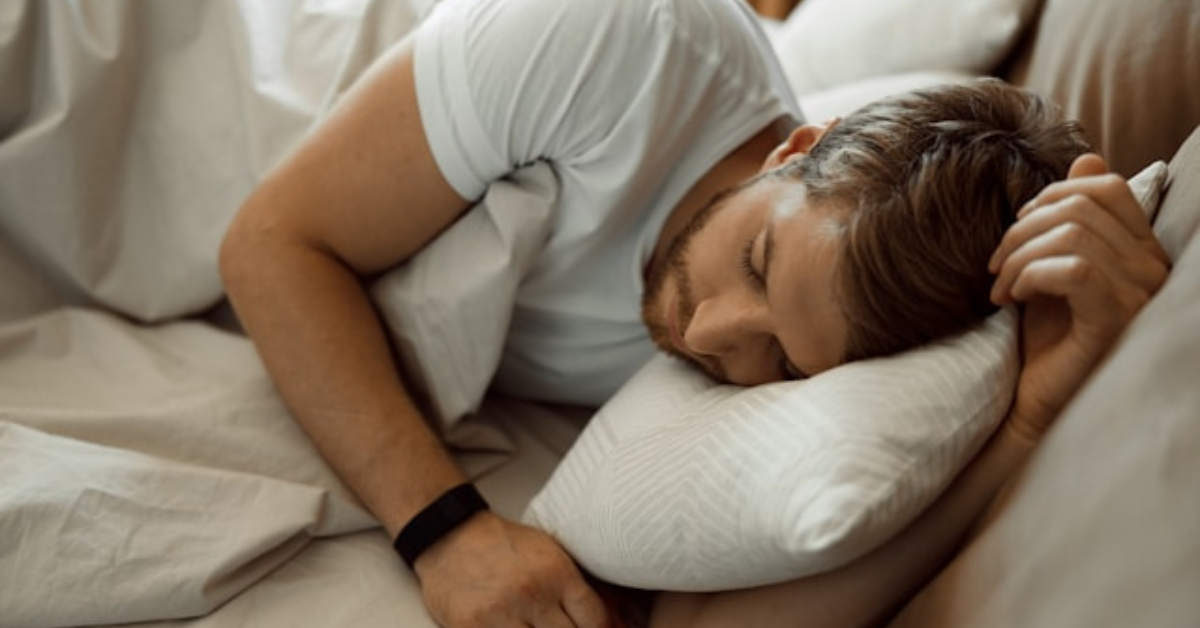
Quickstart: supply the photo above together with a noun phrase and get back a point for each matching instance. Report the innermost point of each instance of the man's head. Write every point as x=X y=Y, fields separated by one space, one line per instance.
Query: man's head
x=873 y=233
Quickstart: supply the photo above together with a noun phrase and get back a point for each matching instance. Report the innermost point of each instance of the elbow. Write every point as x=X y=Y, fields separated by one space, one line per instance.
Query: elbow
x=230 y=256
x=242 y=248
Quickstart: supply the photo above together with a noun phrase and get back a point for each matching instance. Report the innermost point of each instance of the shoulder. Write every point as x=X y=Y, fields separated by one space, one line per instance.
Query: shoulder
x=534 y=22
x=503 y=83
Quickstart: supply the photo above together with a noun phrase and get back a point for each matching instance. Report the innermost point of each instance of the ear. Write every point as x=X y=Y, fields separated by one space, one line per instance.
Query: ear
x=798 y=143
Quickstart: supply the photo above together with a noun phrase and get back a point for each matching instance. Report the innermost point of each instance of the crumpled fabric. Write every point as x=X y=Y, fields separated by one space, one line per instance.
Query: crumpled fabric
x=131 y=131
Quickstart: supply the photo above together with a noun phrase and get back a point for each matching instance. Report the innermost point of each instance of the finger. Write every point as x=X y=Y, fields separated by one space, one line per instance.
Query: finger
x=1087 y=165
x=1063 y=240
x=586 y=608
x=1090 y=177
x=1097 y=300
x=1076 y=226
x=553 y=618
x=1138 y=248
x=1077 y=209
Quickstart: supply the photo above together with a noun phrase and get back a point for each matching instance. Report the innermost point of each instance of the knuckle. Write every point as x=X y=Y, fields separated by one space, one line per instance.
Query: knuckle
x=1152 y=275
x=1072 y=234
x=1079 y=269
x=1048 y=192
x=583 y=598
x=1111 y=183
x=1077 y=206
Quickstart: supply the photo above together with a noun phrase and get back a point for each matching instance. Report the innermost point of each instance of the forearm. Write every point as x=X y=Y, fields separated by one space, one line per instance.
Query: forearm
x=865 y=591
x=325 y=349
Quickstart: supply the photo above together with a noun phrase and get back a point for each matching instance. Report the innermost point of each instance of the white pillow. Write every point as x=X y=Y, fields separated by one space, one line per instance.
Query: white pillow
x=843 y=100
x=682 y=484
x=824 y=43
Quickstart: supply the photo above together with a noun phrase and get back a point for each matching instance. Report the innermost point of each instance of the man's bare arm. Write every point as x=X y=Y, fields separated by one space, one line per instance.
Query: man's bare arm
x=361 y=194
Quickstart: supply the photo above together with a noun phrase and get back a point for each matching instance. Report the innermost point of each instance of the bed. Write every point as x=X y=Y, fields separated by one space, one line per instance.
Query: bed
x=150 y=475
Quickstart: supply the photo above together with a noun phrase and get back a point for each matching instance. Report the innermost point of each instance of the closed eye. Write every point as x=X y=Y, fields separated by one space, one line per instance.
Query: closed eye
x=747 y=264
x=787 y=370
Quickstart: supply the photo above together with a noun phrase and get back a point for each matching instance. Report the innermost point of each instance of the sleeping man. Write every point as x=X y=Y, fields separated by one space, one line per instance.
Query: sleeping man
x=696 y=214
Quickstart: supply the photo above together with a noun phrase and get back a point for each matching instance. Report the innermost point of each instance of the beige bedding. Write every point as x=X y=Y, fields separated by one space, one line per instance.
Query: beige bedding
x=152 y=473
x=148 y=470
x=131 y=131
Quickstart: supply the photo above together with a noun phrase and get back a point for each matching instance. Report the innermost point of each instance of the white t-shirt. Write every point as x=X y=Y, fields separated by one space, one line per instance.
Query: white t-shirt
x=631 y=102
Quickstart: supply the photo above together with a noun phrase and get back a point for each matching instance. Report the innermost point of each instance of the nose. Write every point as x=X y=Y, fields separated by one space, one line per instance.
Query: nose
x=735 y=334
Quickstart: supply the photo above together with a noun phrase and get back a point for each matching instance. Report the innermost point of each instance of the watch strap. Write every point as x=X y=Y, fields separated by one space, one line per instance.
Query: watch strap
x=437 y=520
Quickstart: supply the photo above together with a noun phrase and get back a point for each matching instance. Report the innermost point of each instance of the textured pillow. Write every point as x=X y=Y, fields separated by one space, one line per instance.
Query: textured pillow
x=681 y=484
x=825 y=43
x=1126 y=70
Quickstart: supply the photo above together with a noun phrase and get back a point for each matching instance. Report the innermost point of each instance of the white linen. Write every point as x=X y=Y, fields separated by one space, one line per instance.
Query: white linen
x=131 y=131
x=151 y=472
x=148 y=472
x=681 y=484
x=840 y=101
x=827 y=43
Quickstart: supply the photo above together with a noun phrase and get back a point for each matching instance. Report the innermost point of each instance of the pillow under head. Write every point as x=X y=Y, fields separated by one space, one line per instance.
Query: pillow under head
x=682 y=484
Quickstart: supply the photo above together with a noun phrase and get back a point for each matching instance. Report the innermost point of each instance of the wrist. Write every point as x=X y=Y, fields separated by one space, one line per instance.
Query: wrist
x=438 y=520
x=1026 y=425
x=1014 y=441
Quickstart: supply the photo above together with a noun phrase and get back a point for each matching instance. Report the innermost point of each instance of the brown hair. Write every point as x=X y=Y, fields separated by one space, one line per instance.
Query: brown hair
x=927 y=184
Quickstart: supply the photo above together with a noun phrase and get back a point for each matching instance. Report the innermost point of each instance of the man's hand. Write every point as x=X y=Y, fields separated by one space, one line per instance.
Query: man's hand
x=494 y=573
x=1083 y=260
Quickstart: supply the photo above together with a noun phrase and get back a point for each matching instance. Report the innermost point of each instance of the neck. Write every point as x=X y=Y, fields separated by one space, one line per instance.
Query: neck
x=741 y=164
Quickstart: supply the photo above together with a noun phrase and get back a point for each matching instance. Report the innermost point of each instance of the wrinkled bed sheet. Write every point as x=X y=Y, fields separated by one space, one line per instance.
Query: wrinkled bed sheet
x=148 y=470
x=153 y=473
x=131 y=131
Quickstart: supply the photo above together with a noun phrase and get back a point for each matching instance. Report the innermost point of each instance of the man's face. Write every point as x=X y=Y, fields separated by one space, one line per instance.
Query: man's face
x=746 y=292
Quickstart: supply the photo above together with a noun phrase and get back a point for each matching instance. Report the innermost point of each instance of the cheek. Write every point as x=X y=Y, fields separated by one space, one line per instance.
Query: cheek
x=710 y=256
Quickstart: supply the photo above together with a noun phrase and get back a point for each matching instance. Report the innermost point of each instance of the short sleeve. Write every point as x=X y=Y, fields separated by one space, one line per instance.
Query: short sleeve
x=503 y=83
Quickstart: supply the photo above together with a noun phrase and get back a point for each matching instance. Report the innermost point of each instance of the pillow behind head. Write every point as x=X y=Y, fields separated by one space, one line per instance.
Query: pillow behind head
x=682 y=484
x=827 y=43
x=1126 y=70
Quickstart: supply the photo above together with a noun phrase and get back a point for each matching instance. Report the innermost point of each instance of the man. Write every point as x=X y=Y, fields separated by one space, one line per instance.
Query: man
x=646 y=110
